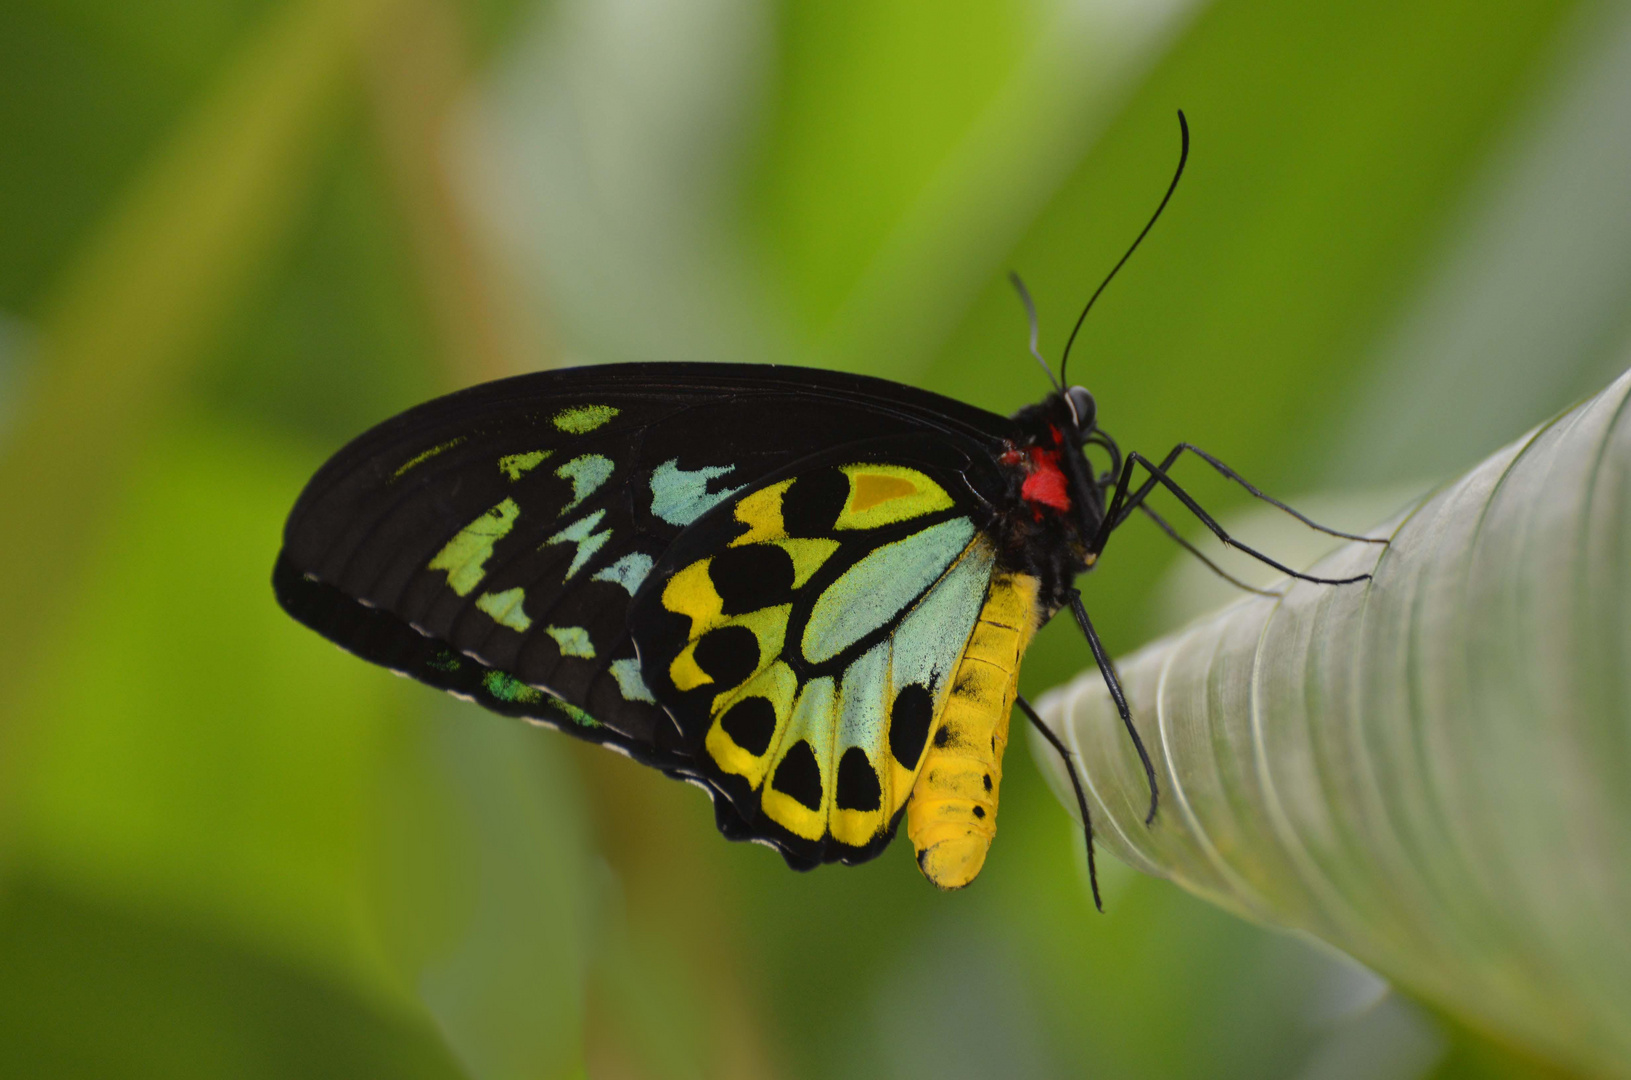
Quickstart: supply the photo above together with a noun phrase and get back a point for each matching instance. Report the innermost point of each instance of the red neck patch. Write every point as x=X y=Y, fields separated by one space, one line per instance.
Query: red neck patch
x=1046 y=483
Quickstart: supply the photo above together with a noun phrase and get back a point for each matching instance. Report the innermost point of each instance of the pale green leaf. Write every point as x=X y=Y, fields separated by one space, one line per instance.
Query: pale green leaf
x=1432 y=770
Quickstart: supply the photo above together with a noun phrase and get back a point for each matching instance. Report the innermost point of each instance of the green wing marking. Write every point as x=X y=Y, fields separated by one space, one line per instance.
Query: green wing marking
x=425 y=455
x=582 y=419
x=505 y=608
x=515 y=466
x=465 y=556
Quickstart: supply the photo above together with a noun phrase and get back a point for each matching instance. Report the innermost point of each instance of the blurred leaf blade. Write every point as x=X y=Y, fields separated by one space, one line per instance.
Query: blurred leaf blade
x=419 y=69
x=484 y=892
x=1536 y=261
x=145 y=295
x=93 y=988
x=909 y=147
x=194 y=752
x=1429 y=771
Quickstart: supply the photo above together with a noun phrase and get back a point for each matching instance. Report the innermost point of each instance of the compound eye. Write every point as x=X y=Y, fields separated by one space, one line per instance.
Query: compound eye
x=1084 y=407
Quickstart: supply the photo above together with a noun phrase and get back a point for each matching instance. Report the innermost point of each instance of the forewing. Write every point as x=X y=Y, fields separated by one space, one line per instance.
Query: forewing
x=490 y=542
x=804 y=633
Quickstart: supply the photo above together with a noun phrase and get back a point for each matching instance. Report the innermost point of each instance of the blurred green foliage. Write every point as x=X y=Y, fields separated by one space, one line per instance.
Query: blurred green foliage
x=232 y=234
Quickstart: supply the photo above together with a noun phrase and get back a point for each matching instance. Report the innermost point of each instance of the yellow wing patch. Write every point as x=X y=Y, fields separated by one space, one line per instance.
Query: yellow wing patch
x=777 y=685
x=885 y=494
x=761 y=512
x=807 y=556
x=806 y=741
x=691 y=593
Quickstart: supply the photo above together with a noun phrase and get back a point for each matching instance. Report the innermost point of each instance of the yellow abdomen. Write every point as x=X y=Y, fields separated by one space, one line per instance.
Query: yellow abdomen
x=952 y=815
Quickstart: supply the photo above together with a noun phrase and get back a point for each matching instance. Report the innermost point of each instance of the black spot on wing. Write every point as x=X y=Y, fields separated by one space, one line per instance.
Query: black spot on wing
x=799 y=776
x=909 y=724
x=814 y=501
x=858 y=787
x=729 y=654
x=750 y=723
x=752 y=577
x=943 y=738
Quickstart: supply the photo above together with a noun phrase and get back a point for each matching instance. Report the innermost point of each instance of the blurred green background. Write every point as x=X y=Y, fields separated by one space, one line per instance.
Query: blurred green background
x=234 y=233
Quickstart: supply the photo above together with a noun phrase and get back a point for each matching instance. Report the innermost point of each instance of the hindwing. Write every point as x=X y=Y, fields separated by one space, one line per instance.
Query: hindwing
x=805 y=632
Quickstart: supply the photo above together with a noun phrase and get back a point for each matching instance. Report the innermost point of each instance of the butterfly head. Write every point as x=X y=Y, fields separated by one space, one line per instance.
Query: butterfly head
x=1084 y=431
x=1061 y=495
x=1084 y=411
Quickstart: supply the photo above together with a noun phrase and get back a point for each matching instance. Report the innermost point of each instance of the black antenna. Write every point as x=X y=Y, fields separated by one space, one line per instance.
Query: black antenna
x=1030 y=315
x=1183 y=156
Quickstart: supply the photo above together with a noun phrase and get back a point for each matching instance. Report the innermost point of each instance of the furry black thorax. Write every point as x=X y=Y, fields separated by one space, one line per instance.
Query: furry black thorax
x=1047 y=528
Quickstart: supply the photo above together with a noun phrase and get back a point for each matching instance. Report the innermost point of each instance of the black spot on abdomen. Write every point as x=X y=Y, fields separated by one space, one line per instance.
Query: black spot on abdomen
x=729 y=654
x=751 y=723
x=799 y=776
x=909 y=725
x=813 y=503
x=752 y=577
x=857 y=782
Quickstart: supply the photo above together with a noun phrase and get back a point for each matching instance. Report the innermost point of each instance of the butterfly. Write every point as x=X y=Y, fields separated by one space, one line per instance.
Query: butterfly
x=805 y=591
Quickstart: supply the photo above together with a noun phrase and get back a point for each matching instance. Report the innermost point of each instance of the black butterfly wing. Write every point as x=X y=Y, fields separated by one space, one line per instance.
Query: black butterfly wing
x=489 y=542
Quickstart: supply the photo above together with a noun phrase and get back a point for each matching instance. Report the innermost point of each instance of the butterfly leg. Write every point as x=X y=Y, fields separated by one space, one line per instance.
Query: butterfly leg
x=1195 y=551
x=1113 y=682
x=1122 y=504
x=1230 y=474
x=1075 y=782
